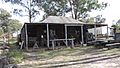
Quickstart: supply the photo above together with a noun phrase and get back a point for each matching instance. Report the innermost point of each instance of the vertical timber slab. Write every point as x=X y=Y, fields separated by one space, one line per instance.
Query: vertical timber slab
x=26 y=36
x=66 y=36
x=48 y=35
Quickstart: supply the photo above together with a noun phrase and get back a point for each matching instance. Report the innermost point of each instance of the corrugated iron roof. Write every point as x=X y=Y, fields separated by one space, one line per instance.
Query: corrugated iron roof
x=66 y=20
x=61 y=20
x=69 y=21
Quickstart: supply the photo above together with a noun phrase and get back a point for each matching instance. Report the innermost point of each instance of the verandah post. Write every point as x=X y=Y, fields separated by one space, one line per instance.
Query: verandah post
x=26 y=36
x=82 y=34
x=48 y=35
x=66 y=35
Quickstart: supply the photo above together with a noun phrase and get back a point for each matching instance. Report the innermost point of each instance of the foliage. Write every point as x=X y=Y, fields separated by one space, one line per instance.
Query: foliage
x=54 y=7
x=28 y=6
x=1 y=31
x=8 y=25
x=78 y=8
x=14 y=25
x=113 y=26
x=97 y=19
x=4 y=15
x=12 y=42
x=90 y=20
x=116 y=27
x=4 y=19
x=15 y=56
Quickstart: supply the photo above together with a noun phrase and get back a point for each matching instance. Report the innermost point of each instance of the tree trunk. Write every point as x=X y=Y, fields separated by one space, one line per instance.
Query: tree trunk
x=30 y=16
x=72 y=12
x=75 y=13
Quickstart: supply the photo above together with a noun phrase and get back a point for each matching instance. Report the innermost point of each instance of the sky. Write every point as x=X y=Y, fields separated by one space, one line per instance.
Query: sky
x=112 y=12
x=9 y=7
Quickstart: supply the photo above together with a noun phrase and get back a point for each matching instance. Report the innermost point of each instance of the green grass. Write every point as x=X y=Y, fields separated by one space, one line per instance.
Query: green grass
x=12 y=41
x=16 y=56
x=77 y=51
x=65 y=52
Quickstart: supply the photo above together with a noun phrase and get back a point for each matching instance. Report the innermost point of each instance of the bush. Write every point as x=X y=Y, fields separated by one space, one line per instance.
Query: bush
x=12 y=41
x=16 y=56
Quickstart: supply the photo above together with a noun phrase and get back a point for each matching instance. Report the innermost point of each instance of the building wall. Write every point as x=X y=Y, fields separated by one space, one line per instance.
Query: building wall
x=98 y=30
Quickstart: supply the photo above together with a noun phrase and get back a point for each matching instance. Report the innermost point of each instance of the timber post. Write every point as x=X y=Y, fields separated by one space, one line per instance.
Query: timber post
x=48 y=35
x=66 y=36
x=82 y=34
x=26 y=36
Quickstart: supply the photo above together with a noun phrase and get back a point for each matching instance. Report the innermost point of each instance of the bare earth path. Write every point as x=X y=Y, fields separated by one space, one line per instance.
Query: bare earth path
x=80 y=57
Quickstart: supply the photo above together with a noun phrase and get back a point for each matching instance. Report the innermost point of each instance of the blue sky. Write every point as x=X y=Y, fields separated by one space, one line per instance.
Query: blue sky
x=111 y=13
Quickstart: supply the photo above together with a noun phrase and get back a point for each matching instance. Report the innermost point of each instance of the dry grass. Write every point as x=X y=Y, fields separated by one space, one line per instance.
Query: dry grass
x=66 y=56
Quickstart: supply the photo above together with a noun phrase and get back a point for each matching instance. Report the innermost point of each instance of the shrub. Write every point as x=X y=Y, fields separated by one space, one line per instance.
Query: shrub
x=16 y=56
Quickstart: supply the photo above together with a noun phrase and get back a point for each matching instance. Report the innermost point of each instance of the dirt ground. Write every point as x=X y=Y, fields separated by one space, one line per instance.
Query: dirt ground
x=79 y=57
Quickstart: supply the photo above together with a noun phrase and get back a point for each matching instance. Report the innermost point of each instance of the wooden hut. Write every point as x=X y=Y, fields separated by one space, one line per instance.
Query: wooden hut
x=55 y=29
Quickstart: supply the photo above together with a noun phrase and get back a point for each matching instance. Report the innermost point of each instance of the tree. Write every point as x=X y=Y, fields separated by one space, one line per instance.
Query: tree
x=4 y=19
x=50 y=7
x=78 y=8
x=1 y=31
x=99 y=19
x=29 y=6
x=8 y=24
x=14 y=25
x=81 y=7
x=116 y=28
x=90 y=20
x=53 y=7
